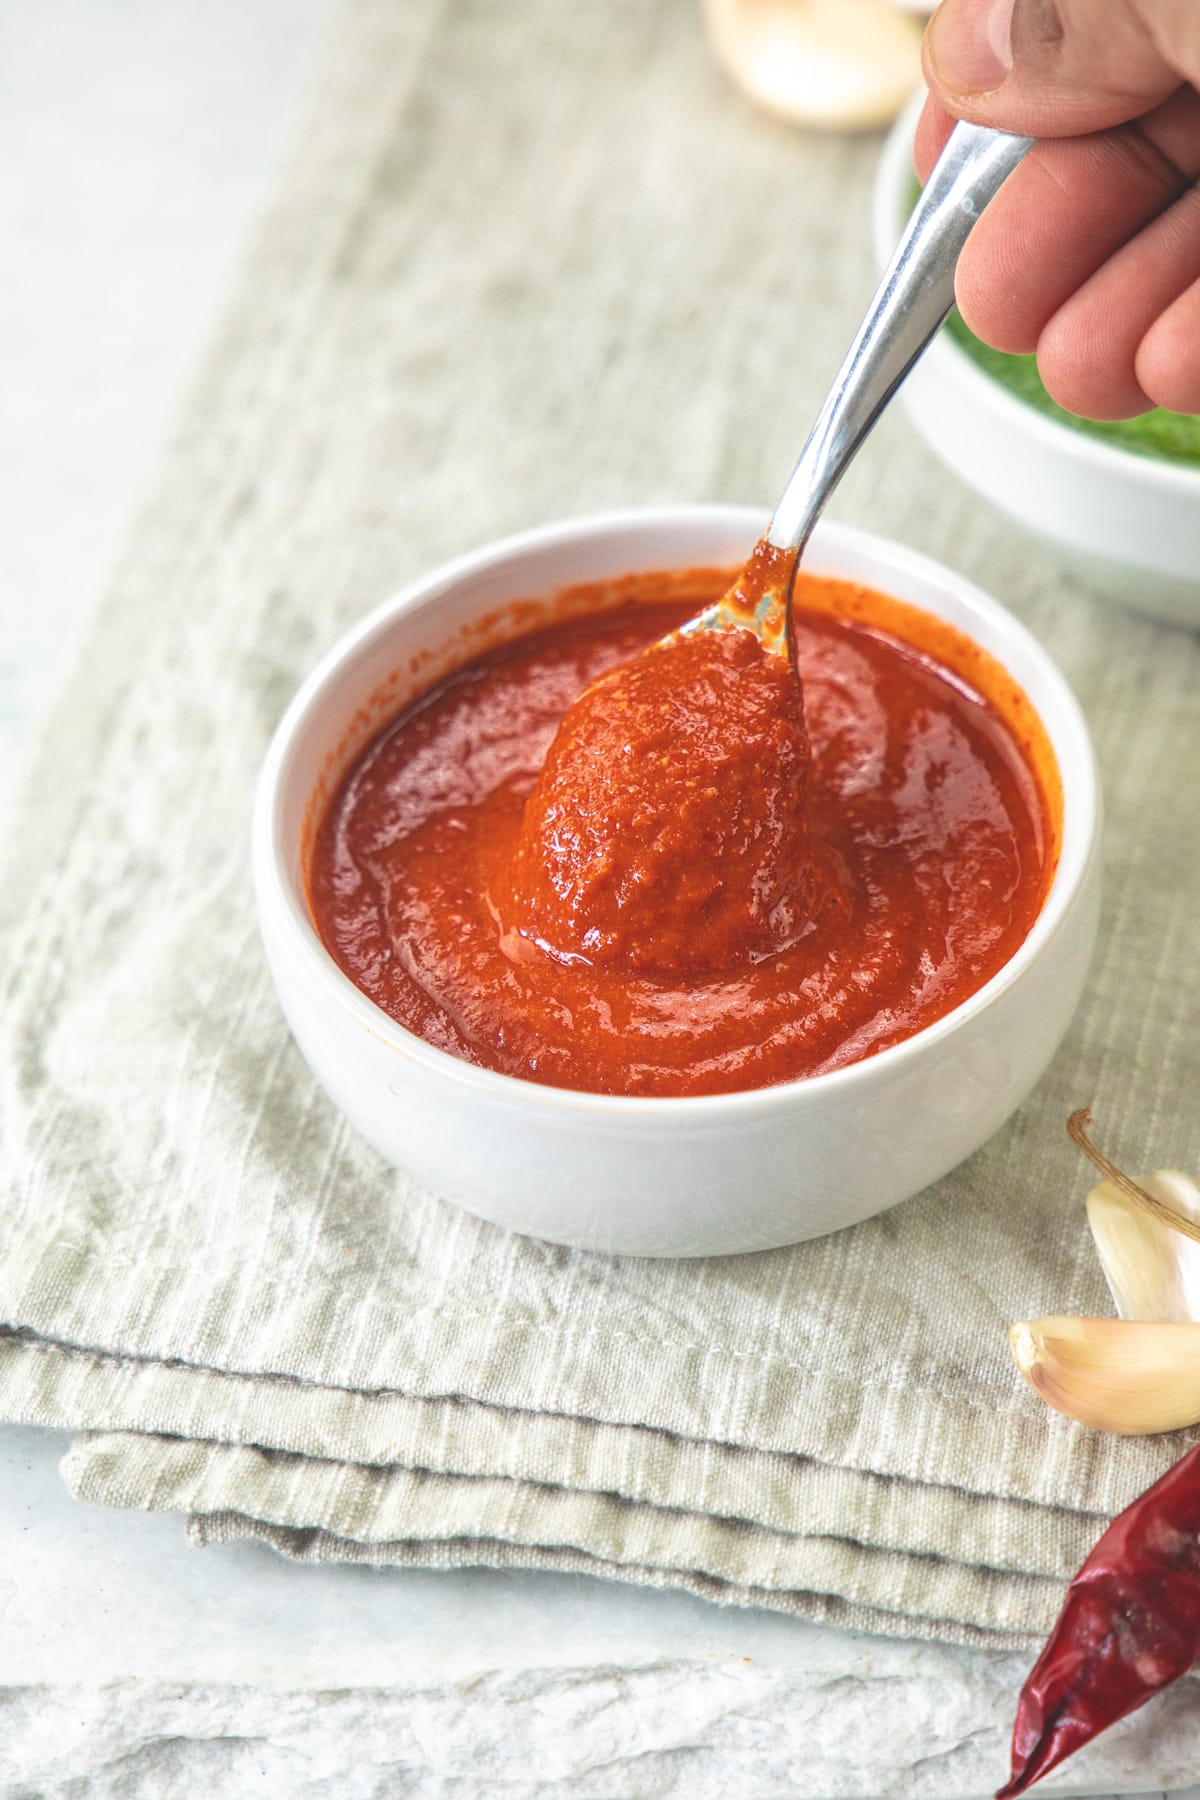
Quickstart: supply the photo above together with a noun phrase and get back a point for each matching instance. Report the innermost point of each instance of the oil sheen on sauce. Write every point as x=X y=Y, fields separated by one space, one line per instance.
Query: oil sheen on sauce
x=708 y=879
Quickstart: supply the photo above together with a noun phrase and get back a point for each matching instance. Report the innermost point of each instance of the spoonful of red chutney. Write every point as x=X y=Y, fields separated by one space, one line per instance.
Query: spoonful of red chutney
x=666 y=833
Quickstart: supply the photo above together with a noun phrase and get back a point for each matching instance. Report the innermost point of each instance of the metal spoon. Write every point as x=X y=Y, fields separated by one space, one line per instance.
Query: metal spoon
x=910 y=303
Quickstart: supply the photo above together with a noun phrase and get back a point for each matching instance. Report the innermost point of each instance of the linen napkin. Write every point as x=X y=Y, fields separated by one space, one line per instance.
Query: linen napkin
x=528 y=262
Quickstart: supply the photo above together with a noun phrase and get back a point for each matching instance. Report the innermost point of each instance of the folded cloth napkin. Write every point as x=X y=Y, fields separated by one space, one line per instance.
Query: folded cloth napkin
x=528 y=262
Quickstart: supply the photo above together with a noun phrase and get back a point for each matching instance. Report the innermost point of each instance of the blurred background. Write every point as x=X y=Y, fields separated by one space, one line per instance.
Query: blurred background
x=138 y=139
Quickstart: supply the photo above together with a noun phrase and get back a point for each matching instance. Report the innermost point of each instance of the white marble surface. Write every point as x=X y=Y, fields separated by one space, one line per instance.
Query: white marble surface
x=131 y=1665
x=136 y=140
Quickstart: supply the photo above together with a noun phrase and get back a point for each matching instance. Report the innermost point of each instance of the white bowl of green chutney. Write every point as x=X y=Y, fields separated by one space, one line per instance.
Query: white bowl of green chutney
x=1120 y=501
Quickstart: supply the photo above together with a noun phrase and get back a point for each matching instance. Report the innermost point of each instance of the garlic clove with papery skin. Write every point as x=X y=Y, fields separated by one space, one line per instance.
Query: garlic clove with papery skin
x=1141 y=1372
x=1152 y=1268
x=834 y=64
x=1123 y=1375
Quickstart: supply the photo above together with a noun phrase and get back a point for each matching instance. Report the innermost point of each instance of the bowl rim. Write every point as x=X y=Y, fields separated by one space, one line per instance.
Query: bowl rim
x=888 y=213
x=274 y=889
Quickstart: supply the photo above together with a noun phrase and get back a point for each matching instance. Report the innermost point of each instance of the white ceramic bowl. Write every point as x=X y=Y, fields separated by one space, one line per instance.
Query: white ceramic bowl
x=1130 y=524
x=661 y=1177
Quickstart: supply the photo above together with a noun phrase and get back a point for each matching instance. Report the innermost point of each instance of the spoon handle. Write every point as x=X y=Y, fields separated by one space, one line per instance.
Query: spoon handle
x=910 y=303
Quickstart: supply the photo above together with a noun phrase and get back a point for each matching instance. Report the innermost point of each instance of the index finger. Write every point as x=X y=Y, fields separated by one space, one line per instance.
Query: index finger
x=933 y=128
x=1070 y=206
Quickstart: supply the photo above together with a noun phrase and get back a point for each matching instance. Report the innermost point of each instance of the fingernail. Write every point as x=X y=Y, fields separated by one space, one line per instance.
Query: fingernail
x=970 y=42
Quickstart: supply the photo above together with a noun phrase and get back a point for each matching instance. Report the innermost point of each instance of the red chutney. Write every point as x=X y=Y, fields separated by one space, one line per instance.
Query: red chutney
x=761 y=887
x=666 y=834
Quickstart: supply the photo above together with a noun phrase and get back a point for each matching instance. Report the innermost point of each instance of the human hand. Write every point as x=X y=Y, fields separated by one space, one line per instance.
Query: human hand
x=1090 y=254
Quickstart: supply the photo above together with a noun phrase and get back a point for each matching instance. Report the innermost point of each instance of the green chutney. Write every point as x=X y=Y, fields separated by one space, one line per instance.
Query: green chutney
x=1174 y=437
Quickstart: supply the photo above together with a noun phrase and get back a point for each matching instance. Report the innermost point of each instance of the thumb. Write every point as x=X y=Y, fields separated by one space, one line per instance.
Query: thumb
x=1056 y=68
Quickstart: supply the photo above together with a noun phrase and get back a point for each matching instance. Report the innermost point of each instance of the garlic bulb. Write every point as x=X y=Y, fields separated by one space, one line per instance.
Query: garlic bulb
x=1123 y=1375
x=837 y=64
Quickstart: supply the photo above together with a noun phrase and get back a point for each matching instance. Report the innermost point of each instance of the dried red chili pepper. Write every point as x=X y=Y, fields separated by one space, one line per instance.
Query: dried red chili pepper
x=1131 y=1626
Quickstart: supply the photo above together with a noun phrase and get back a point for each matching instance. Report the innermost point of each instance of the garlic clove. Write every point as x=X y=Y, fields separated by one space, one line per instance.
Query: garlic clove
x=1126 y=1375
x=1152 y=1270
x=836 y=64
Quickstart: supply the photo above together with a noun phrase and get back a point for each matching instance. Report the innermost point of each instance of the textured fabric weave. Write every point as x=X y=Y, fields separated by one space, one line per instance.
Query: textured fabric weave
x=529 y=262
